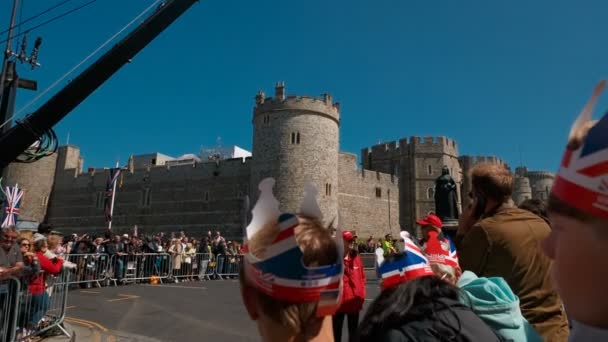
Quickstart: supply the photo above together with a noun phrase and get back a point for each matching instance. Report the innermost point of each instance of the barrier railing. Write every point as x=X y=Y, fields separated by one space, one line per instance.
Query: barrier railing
x=138 y=267
x=228 y=265
x=40 y=312
x=193 y=266
x=90 y=268
x=9 y=305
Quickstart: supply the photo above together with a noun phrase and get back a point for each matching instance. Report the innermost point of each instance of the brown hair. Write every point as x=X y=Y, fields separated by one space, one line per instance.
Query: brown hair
x=493 y=180
x=318 y=249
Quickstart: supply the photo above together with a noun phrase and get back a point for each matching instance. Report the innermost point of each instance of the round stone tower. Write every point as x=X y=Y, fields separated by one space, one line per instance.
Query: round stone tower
x=541 y=183
x=521 y=189
x=295 y=140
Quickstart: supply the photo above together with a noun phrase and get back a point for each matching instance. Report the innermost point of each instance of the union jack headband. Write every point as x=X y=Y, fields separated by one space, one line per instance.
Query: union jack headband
x=440 y=250
x=407 y=266
x=582 y=180
x=280 y=273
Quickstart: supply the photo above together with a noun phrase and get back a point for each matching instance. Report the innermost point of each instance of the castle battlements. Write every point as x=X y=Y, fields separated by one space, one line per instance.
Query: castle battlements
x=413 y=144
x=323 y=105
x=541 y=175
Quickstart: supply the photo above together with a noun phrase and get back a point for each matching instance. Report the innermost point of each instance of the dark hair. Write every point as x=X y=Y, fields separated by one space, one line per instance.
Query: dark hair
x=536 y=206
x=411 y=301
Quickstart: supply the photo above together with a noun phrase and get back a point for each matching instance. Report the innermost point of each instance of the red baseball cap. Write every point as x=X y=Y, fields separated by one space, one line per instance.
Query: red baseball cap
x=432 y=220
x=348 y=236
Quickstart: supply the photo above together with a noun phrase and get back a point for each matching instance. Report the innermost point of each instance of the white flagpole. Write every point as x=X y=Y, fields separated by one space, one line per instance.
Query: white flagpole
x=112 y=202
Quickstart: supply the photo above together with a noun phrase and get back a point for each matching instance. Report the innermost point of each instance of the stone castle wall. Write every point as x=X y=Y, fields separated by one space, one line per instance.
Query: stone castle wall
x=368 y=200
x=36 y=181
x=417 y=162
x=196 y=198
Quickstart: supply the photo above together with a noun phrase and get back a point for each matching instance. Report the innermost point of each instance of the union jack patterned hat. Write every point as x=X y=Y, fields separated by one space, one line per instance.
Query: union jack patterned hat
x=280 y=273
x=582 y=180
x=407 y=266
x=439 y=250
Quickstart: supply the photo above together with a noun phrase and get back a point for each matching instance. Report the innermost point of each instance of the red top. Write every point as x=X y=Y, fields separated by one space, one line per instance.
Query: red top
x=38 y=283
x=353 y=290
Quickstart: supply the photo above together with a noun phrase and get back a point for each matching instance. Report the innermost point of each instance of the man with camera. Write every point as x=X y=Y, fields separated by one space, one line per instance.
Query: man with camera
x=497 y=239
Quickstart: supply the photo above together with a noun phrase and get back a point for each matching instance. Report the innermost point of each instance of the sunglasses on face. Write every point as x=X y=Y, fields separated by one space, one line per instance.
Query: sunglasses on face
x=25 y=245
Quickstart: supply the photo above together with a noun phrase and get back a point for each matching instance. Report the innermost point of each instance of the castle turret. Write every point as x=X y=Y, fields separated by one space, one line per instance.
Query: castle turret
x=521 y=189
x=295 y=139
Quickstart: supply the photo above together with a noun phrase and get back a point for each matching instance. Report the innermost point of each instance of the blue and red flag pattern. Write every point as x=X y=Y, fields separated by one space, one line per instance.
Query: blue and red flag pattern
x=582 y=181
x=13 y=200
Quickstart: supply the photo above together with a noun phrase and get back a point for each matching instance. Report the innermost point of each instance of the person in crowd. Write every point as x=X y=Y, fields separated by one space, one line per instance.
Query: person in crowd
x=11 y=259
x=387 y=245
x=30 y=261
x=220 y=254
x=578 y=211
x=416 y=305
x=537 y=207
x=37 y=286
x=176 y=251
x=497 y=239
x=490 y=298
x=353 y=290
x=189 y=258
x=288 y=306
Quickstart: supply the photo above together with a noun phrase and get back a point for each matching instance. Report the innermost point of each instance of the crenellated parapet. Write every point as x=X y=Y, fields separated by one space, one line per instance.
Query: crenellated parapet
x=293 y=104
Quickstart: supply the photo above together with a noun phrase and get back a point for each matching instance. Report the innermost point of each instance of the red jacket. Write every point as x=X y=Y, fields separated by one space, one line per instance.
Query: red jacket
x=38 y=283
x=353 y=290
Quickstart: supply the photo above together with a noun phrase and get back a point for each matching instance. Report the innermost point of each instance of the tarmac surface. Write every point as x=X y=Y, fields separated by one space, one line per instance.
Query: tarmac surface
x=187 y=311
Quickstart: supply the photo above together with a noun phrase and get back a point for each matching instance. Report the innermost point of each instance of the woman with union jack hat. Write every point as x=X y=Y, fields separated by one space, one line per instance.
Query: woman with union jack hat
x=578 y=211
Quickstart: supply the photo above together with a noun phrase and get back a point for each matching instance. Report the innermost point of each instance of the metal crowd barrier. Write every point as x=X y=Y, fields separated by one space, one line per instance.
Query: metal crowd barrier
x=41 y=312
x=194 y=266
x=228 y=265
x=90 y=268
x=137 y=267
x=24 y=314
x=368 y=260
x=9 y=304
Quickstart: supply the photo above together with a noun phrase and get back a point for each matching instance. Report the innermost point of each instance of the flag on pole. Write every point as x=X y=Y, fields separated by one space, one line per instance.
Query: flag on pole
x=13 y=200
x=110 y=188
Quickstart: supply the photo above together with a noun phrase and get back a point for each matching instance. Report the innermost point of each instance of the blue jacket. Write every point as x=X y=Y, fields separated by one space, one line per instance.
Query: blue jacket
x=495 y=303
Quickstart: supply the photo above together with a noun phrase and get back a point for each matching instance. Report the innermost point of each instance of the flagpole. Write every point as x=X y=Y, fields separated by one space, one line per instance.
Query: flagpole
x=112 y=202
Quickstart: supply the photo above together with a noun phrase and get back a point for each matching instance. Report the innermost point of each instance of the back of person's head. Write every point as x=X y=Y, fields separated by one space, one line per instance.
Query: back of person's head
x=413 y=300
x=285 y=309
x=494 y=181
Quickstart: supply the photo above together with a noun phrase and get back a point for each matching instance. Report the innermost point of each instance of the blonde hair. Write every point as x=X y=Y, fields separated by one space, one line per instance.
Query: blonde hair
x=445 y=272
x=53 y=241
x=318 y=249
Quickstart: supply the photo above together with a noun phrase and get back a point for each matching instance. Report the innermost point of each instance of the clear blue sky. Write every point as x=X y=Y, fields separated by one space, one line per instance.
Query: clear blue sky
x=493 y=75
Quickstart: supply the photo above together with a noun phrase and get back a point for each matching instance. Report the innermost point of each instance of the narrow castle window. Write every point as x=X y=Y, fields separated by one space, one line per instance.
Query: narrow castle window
x=327 y=189
x=298 y=138
x=430 y=170
x=206 y=196
x=99 y=200
x=293 y=138
x=266 y=119
x=378 y=193
x=145 y=198
x=430 y=193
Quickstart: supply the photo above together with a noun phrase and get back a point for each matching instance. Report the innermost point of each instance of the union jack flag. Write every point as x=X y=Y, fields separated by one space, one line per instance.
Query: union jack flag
x=411 y=265
x=112 y=178
x=13 y=200
x=582 y=181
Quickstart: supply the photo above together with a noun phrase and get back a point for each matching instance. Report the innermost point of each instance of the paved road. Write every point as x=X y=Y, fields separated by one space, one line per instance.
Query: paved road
x=188 y=311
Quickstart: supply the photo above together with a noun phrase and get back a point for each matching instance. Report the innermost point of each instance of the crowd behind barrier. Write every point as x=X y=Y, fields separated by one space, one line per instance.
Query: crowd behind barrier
x=112 y=260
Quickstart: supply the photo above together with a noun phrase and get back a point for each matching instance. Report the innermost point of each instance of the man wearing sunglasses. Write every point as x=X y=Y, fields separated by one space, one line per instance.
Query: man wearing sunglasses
x=11 y=260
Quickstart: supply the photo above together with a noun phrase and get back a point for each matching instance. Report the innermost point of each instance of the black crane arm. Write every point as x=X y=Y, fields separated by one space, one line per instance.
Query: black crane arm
x=27 y=131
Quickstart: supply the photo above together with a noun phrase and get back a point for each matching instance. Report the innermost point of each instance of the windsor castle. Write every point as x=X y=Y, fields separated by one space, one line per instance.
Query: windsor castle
x=295 y=139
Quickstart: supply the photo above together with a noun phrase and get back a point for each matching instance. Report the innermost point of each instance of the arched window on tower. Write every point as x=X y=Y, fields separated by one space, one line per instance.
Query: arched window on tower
x=430 y=193
x=298 y=138
x=293 y=138
x=430 y=169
